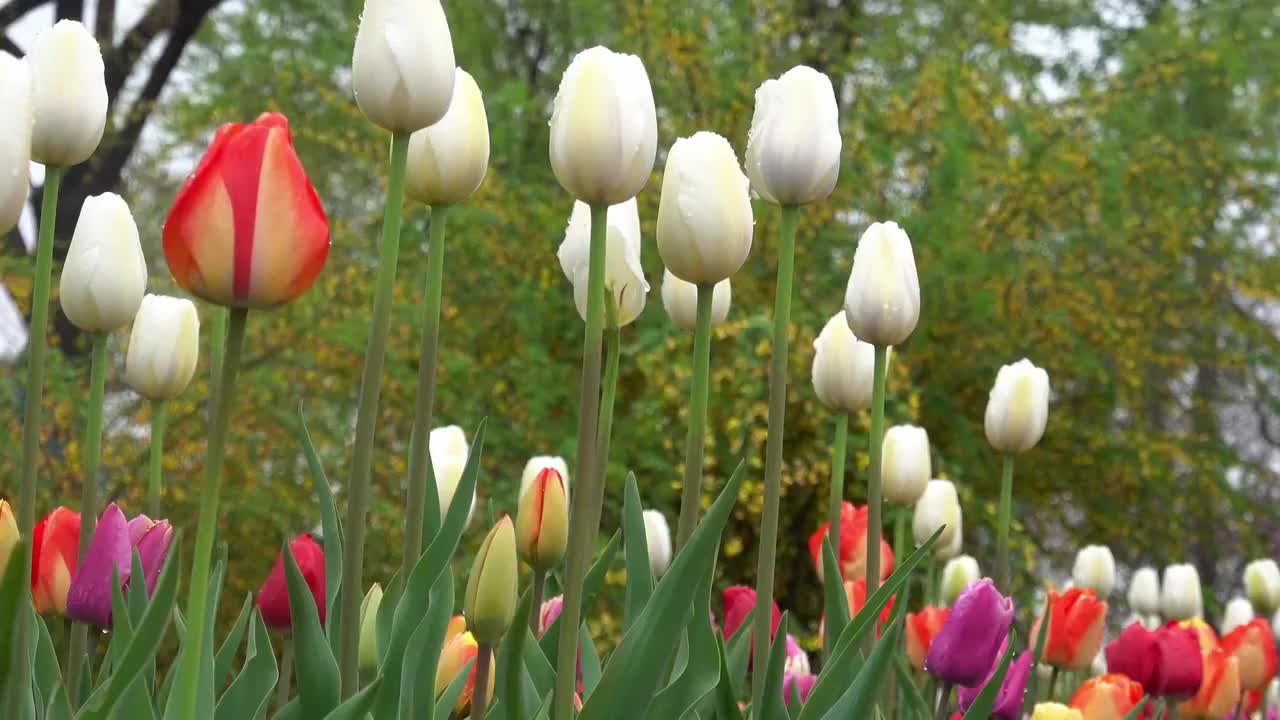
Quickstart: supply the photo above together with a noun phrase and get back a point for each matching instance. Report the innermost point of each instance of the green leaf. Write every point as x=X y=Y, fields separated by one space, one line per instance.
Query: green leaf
x=915 y=702
x=590 y=659
x=702 y=671
x=773 y=704
x=137 y=590
x=836 y=603
x=121 y=627
x=422 y=655
x=136 y=703
x=16 y=577
x=329 y=525
x=386 y=614
x=738 y=653
x=447 y=699
x=45 y=673
x=357 y=706
x=1033 y=682
x=541 y=673
x=249 y=694
x=317 y=671
x=636 y=551
x=1136 y=712
x=726 y=697
x=981 y=707
x=859 y=699
x=222 y=663
x=590 y=586
x=510 y=666
x=58 y=706
x=292 y=710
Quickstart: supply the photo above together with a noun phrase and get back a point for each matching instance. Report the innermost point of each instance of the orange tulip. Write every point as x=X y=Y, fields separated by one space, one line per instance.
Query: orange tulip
x=55 y=546
x=921 y=629
x=247 y=229
x=1109 y=697
x=853 y=545
x=1076 y=620
x=1254 y=649
x=1204 y=632
x=1219 y=691
x=459 y=648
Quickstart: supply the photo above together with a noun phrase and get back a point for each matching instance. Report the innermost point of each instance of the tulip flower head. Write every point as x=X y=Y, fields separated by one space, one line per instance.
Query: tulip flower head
x=105 y=275
x=958 y=574
x=369 y=628
x=537 y=464
x=68 y=94
x=938 y=507
x=1262 y=585
x=15 y=140
x=459 y=649
x=739 y=602
x=109 y=560
x=548 y=613
x=882 y=302
x=1220 y=691
x=680 y=299
x=1165 y=662
x=801 y=683
x=1144 y=591
x=905 y=465
x=843 y=367
x=658 y=537
x=542 y=523
x=164 y=347
x=704 y=216
x=797 y=660
x=448 y=160
x=1108 y=697
x=8 y=535
x=952 y=550
x=1055 y=711
x=623 y=275
x=1180 y=597
x=1077 y=619
x=968 y=645
x=793 y=147
x=219 y=245
x=491 y=588
x=1254 y=649
x=1239 y=611
x=273 y=598
x=853 y=545
x=1008 y=703
x=1018 y=408
x=402 y=69
x=1095 y=568
x=921 y=628
x=54 y=553
x=448 y=450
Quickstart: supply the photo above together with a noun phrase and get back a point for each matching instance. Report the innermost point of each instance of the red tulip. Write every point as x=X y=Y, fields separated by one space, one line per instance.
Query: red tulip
x=921 y=628
x=1109 y=697
x=1076 y=620
x=247 y=229
x=273 y=598
x=1166 y=661
x=55 y=547
x=1254 y=648
x=853 y=545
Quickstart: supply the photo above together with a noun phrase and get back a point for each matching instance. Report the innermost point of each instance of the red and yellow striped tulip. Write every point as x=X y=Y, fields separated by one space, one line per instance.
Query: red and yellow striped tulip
x=1254 y=648
x=1220 y=690
x=55 y=548
x=1109 y=697
x=1076 y=619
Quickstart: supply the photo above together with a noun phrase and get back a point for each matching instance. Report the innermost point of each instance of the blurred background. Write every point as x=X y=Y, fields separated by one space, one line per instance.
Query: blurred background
x=1092 y=184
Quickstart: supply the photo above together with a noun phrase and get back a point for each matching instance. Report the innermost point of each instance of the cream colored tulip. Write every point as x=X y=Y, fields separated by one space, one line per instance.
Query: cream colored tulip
x=448 y=449
x=793 y=148
x=843 y=367
x=69 y=95
x=704 y=216
x=105 y=274
x=1239 y=611
x=1262 y=585
x=623 y=275
x=1095 y=568
x=680 y=299
x=938 y=506
x=1018 y=408
x=448 y=161
x=402 y=69
x=1180 y=597
x=657 y=535
x=905 y=464
x=882 y=300
x=164 y=347
x=15 y=140
x=958 y=574
x=1144 y=591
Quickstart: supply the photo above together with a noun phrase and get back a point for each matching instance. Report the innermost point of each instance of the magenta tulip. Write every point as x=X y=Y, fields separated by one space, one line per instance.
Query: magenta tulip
x=968 y=645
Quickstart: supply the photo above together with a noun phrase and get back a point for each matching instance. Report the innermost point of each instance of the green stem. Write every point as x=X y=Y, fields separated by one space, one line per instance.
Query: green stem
x=367 y=422
x=535 y=609
x=1171 y=709
x=943 y=702
x=424 y=408
x=582 y=532
x=902 y=545
x=835 y=501
x=875 y=486
x=197 y=633
x=286 y=672
x=691 y=494
x=1002 y=526
x=604 y=432
x=217 y=349
x=1053 y=684
x=155 y=483
x=761 y=619
x=932 y=593
x=480 y=697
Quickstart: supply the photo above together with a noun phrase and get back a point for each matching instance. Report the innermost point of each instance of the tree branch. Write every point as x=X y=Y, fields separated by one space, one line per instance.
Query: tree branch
x=69 y=10
x=9 y=46
x=121 y=60
x=104 y=23
x=18 y=8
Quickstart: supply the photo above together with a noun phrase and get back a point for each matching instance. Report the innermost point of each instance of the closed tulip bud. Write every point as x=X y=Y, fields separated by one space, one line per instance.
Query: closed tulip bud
x=1262 y=585
x=623 y=275
x=1095 y=569
x=704 y=216
x=905 y=464
x=921 y=628
x=69 y=94
x=843 y=367
x=15 y=140
x=1164 y=661
x=958 y=574
x=448 y=161
x=491 y=589
x=1077 y=619
x=369 y=628
x=1180 y=597
x=882 y=301
x=217 y=243
x=657 y=535
x=793 y=147
x=1144 y=591
x=459 y=649
x=680 y=299
x=1018 y=408
x=1107 y=697
x=537 y=464
x=853 y=545
x=1219 y=691
x=797 y=660
x=273 y=598
x=55 y=547
x=938 y=507
x=8 y=535
x=164 y=346
x=1238 y=612
x=1253 y=647
x=542 y=523
x=402 y=67
x=969 y=643
x=110 y=557
x=447 y=447
x=952 y=550
x=1055 y=711
x=549 y=612
x=604 y=127
x=105 y=273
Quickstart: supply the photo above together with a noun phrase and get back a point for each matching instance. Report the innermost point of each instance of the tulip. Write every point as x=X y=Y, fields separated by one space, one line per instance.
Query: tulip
x=739 y=601
x=1239 y=611
x=68 y=94
x=9 y=535
x=15 y=140
x=152 y=540
x=459 y=649
x=548 y=613
x=1055 y=711
x=105 y=274
x=968 y=645
x=958 y=574
x=1180 y=594
x=402 y=69
x=109 y=559
x=604 y=127
x=1220 y=691
x=369 y=628
x=921 y=628
x=1204 y=633
x=537 y=464
x=273 y=598
x=1253 y=647
x=803 y=683
x=1008 y=705
x=448 y=450
x=54 y=552
x=843 y=367
x=491 y=589
x=1262 y=585
x=1144 y=591
x=1109 y=697
x=704 y=215
x=950 y=551
x=1076 y=621
x=658 y=536
x=164 y=347
x=938 y=507
x=1095 y=569
x=905 y=468
x=542 y=522
x=1165 y=662
x=1018 y=408
x=449 y=159
x=217 y=244
x=853 y=545
x=797 y=660
x=855 y=595
x=680 y=299
x=623 y=275
x=793 y=148
x=882 y=302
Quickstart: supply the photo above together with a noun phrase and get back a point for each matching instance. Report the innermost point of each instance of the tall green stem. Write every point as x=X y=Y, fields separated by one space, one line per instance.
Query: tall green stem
x=944 y=702
x=582 y=531
x=932 y=593
x=535 y=607
x=835 y=495
x=217 y=350
x=902 y=545
x=875 y=485
x=761 y=620
x=1003 y=520
x=695 y=441
x=480 y=698
x=604 y=431
x=367 y=421
x=155 y=481
x=198 y=589
x=283 y=686
x=424 y=408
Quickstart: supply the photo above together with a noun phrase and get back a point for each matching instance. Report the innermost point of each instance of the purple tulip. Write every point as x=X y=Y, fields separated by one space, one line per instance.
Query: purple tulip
x=1009 y=699
x=153 y=548
x=803 y=682
x=968 y=645
x=112 y=546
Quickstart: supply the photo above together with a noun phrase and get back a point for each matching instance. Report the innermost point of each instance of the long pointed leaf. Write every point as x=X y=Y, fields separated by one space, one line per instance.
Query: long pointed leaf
x=422 y=654
x=738 y=653
x=636 y=549
x=702 y=671
x=986 y=699
x=231 y=643
x=317 y=670
x=15 y=578
x=1033 y=682
x=250 y=693
x=726 y=696
x=836 y=603
x=510 y=662
x=1136 y=712
x=357 y=706
x=860 y=698
x=333 y=541
x=773 y=702
x=541 y=674
x=448 y=698
x=914 y=700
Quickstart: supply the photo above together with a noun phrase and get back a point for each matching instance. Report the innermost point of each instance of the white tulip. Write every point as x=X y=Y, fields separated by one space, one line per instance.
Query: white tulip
x=793 y=148
x=905 y=465
x=164 y=346
x=1262 y=585
x=69 y=95
x=1238 y=612
x=680 y=298
x=448 y=161
x=958 y=574
x=704 y=216
x=448 y=449
x=604 y=127
x=623 y=275
x=1144 y=591
x=15 y=140
x=539 y=463
x=1018 y=408
x=658 y=536
x=882 y=301
x=938 y=506
x=952 y=549
x=1095 y=569
x=402 y=69
x=843 y=367
x=1180 y=597
x=105 y=273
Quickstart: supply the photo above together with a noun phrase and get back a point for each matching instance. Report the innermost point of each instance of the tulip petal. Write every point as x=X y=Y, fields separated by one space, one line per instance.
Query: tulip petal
x=89 y=598
x=153 y=548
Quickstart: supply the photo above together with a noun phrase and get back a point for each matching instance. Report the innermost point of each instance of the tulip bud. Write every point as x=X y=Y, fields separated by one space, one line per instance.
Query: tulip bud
x=1220 y=690
x=623 y=275
x=1144 y=591
x=658 y=536
x=1055 y=711
x=680 y=299
x=537 y=464
x=491 y=588
x=604 y=127
x=969 y=643
x=55 y=547
x=273 y=598
x=459 y=649
x=704 y=216
x=402 y=67
x=958 y=574
x=920 y=629
x=152 y=540
x=1262 y=585
x=8 y=535
x=448 y=161
x=164 y=346
x=853 y=545
x=1095 y=569
x=1254 y=649
x=549 y=612
x=1238 y=612
x=1180 y=597
x=1018 y=408
x=15 y=140
x=797 y=660
x=447 y=447
x=939 y=506
x=69 y=94
x=1076 y=621
x=882 y=302
x=542 y=523
x=1107 y=696
x=905 y=464
x=105 y=273
x=793 y=147
x=369 y=628
x=952 y=549
x=89 y=595
x=843 y=367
